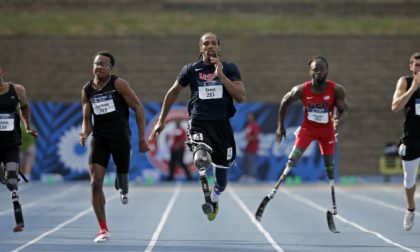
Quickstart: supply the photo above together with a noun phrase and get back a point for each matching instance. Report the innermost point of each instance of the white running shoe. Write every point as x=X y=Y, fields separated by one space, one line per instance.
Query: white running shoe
x=409 y=220
x=102 y=236
x=124 y=199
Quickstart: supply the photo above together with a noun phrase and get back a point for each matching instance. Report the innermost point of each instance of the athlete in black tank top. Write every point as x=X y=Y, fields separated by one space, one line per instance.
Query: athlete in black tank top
x=13 y=103
x=9 y=118
x=407 y=98
x=110 y=110
x=106 y=99
x=411 y=131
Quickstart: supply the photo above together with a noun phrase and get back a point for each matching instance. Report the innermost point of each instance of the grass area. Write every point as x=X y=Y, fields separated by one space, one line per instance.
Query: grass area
x=100 y=23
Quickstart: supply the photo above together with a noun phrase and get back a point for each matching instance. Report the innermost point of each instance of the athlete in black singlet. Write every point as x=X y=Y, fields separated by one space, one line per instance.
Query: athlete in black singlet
x=107 y=98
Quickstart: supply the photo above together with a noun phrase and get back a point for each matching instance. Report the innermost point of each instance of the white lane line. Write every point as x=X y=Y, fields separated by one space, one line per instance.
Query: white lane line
x=251 y=216
x=318 y=207
x=163 y=219
x=39 y=201
x=374 y=201
x=386 y=187
x=60 y=226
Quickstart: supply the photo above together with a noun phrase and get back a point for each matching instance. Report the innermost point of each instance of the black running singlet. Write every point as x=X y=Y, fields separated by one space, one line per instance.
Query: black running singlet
x=209 y=98
x=412 y=115
x=10 y=133
x=110 y=111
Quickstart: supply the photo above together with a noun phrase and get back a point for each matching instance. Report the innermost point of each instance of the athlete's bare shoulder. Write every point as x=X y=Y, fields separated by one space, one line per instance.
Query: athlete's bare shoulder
x=339 y=90
x=20 y=89
x=298 y=89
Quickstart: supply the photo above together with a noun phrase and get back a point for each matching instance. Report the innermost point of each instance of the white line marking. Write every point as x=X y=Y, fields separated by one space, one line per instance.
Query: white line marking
x=375 y=201
x=394 y=190
x=318 y=207
x=39 y=201
x=163 y=219
x=251 y=216
x=60 y=226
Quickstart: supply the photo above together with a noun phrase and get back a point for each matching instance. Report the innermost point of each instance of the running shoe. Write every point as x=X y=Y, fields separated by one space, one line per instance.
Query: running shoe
x=124 y=198
x=212 y=215
x=102 y=236
x=409 y=220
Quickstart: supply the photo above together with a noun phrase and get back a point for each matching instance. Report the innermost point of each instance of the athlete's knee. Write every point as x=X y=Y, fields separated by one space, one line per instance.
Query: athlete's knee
x=122 y=179
x=329 y=170
x=291 y=162
x=11 y=175
x=329 y=166
x=202 y=158
x=96 y=185
x=410 y=172
x=294 y=157
x=409 y=180
x=409 y=183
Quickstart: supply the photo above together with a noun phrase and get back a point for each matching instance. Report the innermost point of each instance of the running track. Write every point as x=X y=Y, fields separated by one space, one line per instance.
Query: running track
x=168 y=217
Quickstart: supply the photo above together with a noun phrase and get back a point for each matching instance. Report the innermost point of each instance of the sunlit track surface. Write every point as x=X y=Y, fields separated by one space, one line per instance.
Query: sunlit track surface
x=168 y=217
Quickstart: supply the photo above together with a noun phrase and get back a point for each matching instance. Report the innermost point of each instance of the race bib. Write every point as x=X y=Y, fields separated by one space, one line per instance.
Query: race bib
x=318 y=116
x=210 y=92
x=103 y=104
x=229 y=153
x=7 y=122
x=417 y=104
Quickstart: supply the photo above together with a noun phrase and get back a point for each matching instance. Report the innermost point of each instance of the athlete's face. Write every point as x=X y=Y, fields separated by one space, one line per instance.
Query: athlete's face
x=209 y=46
x=102 y=66
x=318 y=71
x=415 y=66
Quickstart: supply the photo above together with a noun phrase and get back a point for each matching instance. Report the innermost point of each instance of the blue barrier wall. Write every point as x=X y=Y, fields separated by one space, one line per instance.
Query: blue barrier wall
x=59 y=151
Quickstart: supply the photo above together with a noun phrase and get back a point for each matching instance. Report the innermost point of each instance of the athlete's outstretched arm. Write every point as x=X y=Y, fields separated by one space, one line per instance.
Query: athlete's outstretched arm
x=130 y=97
x=25 y=109
x=340 y=104
x=168 y=101
x=87 y=119
x=291 y=96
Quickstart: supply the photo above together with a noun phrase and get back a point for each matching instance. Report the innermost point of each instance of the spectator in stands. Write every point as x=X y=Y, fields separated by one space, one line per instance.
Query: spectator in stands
x=107 y=98
x=14 y=106
x=391 y=150
x=249 y=162
x=214 y=84
x=27 y=152
x=177 y=139
x=407 y=97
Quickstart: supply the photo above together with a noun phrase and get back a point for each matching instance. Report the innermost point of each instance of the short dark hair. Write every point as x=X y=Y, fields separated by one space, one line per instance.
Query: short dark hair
x=106 y=54
x=414 y=57
x=317 y=58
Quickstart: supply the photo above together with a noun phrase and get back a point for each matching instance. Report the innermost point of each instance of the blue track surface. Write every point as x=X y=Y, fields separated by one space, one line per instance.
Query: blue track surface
x=168 y=217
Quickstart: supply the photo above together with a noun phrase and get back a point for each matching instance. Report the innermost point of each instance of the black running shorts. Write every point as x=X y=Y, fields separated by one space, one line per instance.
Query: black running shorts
x=411 y=152
x=218 y=136
x=9 y=154
x=120 y=149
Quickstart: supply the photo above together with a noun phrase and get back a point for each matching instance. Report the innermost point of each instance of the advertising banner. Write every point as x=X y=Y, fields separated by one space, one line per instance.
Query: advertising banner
x=58 y=150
